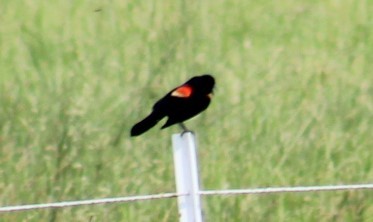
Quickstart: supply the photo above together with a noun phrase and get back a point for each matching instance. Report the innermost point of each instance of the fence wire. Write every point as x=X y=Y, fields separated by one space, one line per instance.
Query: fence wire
x=88 y=202
x=268 y=190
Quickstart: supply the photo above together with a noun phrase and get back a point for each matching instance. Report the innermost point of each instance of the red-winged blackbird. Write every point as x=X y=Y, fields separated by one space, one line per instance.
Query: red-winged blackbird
x=180 y=104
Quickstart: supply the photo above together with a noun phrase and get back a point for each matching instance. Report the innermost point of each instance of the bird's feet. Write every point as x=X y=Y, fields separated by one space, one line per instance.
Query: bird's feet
x=185 y=129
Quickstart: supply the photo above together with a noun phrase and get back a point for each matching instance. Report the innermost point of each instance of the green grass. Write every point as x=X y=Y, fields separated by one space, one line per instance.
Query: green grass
x=293 y=105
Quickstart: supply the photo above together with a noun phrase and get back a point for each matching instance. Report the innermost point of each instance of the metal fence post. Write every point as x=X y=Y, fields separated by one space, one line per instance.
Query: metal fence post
x=187 y=179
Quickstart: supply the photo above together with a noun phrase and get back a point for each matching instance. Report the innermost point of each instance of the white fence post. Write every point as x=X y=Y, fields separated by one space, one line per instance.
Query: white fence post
x=187 y=179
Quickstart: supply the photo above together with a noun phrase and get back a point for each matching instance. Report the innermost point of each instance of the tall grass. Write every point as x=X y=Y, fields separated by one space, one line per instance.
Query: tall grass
x=293 y=105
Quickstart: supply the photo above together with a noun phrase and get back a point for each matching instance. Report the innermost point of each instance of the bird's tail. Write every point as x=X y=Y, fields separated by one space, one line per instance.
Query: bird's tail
x=145 y=124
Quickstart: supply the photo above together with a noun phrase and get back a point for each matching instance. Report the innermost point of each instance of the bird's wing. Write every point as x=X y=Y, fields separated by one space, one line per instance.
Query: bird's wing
x=183 y=91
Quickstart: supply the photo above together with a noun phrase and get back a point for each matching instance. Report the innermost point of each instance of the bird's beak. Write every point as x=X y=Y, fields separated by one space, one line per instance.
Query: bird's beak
x=210 y=95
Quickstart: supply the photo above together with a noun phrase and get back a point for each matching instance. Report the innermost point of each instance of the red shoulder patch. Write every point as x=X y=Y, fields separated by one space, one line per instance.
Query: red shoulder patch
x=183 y=91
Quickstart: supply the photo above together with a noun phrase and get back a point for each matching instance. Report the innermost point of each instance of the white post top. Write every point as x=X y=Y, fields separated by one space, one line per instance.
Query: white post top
x=187 y=180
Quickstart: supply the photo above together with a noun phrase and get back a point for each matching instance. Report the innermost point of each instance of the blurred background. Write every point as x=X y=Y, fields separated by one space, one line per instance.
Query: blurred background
x=293 y=105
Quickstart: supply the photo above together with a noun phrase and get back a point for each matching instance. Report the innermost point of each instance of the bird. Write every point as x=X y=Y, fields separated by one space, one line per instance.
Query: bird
x=180 y=104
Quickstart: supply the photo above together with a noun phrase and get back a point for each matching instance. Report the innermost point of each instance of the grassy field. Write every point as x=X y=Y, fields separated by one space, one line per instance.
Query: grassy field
x=293 y=105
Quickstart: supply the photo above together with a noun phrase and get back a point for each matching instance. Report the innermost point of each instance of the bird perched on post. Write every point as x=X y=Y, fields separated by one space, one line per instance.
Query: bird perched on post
x=180 y=104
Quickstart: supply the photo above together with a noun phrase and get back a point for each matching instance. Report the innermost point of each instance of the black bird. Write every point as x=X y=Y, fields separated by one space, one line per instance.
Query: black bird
x=179 y=104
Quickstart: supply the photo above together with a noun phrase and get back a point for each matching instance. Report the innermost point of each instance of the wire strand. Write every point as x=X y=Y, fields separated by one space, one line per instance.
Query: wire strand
x=89 y=202
x=267 y=190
